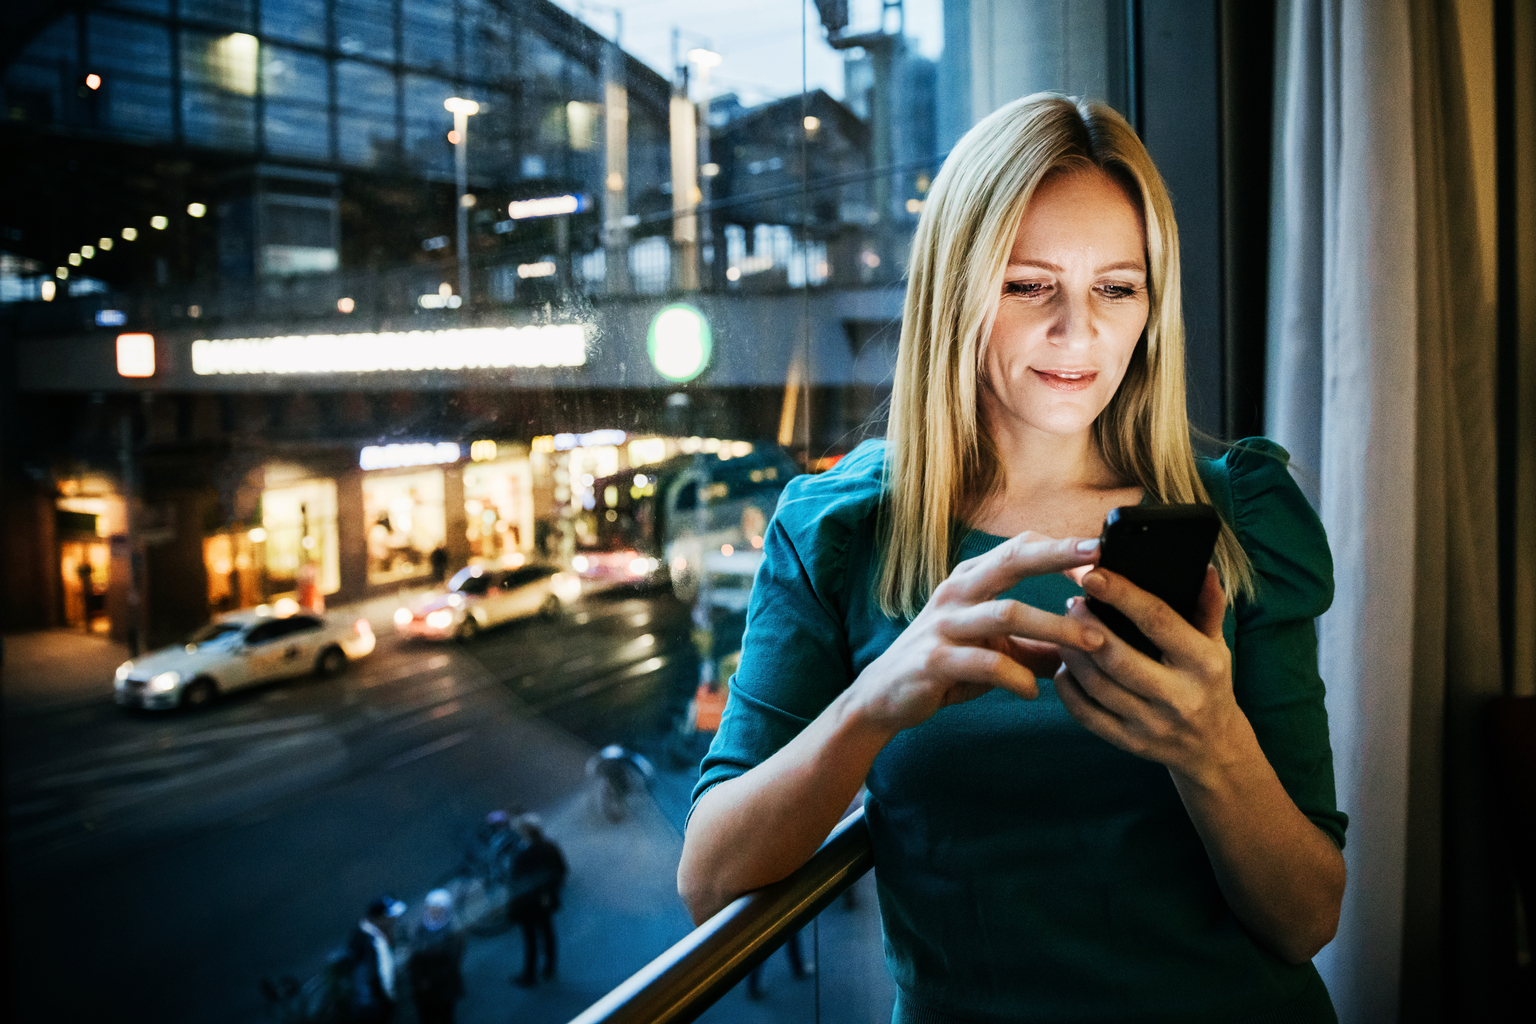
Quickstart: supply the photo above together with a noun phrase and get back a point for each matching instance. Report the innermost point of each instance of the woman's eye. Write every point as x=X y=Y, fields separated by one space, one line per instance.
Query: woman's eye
x=1118 y=291
x=1026 y=288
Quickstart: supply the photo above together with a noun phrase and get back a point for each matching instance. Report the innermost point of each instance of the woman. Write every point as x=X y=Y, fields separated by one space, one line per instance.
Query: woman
x=1064 y=830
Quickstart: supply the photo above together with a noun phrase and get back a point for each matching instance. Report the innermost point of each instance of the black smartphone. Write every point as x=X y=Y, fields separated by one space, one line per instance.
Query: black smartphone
x=1164 y=550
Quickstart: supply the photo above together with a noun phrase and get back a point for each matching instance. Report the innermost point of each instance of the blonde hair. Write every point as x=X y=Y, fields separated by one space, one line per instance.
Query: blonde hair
x=939 y=463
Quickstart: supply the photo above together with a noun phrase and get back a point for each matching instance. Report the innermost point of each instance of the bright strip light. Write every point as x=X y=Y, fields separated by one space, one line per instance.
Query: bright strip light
x=397 y=456
x=543 y=269
x=549 y=206
x=479 y=348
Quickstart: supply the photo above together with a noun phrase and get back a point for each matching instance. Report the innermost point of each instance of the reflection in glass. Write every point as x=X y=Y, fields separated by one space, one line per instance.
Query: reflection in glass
x=299 y=21
x=366 y=28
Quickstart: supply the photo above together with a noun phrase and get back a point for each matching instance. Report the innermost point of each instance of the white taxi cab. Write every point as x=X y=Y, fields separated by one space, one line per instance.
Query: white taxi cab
x=479 y=597
x=239 y=650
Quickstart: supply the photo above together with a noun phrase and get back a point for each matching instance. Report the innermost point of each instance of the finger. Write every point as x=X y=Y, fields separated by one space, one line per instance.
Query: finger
x=1212 y=612
x=1162 y=625
x=1001 y=618
x=1105 y=690
x=985 y=666
x=1039 y=657
x=1028 y=554
x=1131 y=669
x=1086 y=711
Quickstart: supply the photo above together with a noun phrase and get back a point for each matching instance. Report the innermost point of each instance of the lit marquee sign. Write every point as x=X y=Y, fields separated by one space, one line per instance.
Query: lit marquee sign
x=472 y=348
x=399 y=456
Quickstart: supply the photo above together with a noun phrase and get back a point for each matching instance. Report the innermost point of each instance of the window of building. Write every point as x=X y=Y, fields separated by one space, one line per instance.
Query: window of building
x=404 y=523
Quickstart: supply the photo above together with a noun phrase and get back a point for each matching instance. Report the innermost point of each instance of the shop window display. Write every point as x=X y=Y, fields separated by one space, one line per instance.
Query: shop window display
x=299 y=527
x=404 y=513
x=498 y=509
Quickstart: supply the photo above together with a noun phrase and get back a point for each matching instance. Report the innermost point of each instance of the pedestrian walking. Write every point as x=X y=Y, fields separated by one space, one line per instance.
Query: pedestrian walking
x=533 y=896
x=437 y=958
x=372 y=955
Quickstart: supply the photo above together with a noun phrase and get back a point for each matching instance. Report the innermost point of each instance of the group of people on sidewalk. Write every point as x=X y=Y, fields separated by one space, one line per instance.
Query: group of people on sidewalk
x=434 y=965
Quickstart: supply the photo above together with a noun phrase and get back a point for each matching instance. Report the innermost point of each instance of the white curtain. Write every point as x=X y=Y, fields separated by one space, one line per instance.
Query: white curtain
x=1381 y=383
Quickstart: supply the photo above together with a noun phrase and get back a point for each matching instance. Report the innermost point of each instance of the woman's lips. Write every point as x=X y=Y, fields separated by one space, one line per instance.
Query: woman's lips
x=1067 y=380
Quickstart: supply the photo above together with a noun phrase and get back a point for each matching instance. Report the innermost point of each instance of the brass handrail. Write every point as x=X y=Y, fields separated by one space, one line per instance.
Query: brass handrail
x=680 y=984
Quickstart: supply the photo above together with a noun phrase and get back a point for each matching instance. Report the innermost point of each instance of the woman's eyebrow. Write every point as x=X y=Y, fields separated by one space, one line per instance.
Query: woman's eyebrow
x=1136 y=265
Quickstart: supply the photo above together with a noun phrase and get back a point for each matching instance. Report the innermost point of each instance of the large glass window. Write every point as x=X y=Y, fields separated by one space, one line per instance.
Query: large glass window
x=295 y=85
x=298 y=21
x=430 y=35
x=218 y=85
x=366 y=28
x=298 y=529
x=403 y=513
x=365 y=130
x=133 y=58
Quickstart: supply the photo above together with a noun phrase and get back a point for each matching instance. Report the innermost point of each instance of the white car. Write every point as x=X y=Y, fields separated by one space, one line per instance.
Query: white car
x=239 y=650
x=479 y=597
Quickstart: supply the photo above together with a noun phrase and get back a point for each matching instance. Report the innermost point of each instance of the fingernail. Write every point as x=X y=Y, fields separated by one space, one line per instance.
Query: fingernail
x=1072 y=602
x=1088 y=546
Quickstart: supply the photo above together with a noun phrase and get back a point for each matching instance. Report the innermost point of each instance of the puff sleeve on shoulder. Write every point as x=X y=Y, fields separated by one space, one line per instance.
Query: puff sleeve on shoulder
x=1273 y=636
x=795 y=656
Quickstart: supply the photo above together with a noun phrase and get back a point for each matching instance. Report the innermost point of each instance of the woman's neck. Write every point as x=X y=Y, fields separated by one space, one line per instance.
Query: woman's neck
x=1051 y=483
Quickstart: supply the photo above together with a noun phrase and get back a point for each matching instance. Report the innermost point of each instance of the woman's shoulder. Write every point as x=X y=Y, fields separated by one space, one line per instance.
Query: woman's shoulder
x=1251 y=484
x=847 y=494
x=822 y=515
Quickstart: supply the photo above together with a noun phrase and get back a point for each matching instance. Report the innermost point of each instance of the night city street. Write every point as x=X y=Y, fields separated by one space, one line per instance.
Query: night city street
x=185 y=856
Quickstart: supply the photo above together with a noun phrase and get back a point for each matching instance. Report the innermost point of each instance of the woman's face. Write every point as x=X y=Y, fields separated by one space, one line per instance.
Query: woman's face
x=1074 y=303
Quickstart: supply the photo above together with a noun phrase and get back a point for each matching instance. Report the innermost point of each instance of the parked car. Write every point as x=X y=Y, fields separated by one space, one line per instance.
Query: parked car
x=239 y=650
x=479 y=597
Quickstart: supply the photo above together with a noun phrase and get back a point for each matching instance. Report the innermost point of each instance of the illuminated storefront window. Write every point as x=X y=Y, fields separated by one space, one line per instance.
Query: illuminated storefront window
x=405 y=523
x=498 y=508
x=298 y=526
x=227 y=558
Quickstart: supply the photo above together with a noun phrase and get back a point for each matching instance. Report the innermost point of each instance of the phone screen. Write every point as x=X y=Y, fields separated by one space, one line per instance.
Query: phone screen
x=1164 y=550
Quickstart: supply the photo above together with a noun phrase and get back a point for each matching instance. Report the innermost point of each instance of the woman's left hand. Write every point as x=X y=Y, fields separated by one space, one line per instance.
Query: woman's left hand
x=1180 y=712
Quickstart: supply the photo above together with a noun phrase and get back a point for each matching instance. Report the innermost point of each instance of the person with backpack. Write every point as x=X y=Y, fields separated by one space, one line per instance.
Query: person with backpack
x=533 y=895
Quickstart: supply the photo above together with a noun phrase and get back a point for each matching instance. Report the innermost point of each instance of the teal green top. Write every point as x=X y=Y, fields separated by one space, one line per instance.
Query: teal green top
x=1027 y=869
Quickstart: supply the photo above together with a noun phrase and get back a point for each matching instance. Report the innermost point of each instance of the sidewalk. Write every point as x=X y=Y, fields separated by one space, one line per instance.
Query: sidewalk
x=57 y=669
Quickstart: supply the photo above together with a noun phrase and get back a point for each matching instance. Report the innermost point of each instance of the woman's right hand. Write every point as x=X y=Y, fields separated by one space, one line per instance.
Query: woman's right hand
x=967 y=640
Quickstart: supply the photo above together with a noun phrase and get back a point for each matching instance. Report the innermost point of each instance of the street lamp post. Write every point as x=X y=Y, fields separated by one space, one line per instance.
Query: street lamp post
x=462 y=109
x=706 y=59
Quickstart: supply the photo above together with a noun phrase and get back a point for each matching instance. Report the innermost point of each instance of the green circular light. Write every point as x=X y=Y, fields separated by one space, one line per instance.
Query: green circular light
x=679 y=342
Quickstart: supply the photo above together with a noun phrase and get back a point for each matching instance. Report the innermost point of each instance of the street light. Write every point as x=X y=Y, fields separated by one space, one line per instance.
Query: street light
x=705 y=59
x=462 y=110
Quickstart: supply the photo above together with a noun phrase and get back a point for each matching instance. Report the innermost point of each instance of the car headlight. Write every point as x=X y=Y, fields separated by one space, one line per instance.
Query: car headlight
x=402 y=616
x=123 y=670
x=579 y=563
x=165 y=682
x=639 y=567
x=440 y=619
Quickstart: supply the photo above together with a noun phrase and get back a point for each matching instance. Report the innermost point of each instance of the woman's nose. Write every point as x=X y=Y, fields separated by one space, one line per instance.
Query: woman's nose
x=1073 y=326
